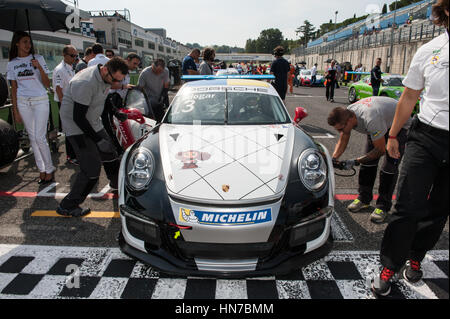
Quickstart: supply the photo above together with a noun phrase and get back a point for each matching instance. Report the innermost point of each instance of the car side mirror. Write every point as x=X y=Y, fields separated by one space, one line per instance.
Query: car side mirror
x=300 y=114
x=134 y=114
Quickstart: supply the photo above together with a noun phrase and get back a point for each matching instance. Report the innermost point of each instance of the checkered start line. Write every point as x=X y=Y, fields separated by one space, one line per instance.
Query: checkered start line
x=75 y=272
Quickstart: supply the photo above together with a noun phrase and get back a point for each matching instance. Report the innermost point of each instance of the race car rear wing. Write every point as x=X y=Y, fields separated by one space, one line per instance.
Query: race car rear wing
x=221 y=77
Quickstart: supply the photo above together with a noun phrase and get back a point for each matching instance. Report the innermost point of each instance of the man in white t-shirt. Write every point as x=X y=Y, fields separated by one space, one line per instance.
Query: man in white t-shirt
x=422 y=207
x=62 y=75
x=100 y=58
x=314 y=74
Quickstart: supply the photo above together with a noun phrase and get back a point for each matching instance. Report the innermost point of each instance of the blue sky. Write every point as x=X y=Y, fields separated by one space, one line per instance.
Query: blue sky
x=231 y=22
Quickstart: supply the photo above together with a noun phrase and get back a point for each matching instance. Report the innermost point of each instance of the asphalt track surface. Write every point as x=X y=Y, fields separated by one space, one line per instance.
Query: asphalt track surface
x=27 y=215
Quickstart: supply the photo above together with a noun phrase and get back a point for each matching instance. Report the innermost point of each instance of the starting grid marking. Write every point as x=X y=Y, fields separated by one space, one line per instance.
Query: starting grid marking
x=41 y=272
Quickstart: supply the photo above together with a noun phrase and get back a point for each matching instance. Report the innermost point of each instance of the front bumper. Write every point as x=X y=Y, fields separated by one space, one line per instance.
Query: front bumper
x=293 y=248
x=177 y=267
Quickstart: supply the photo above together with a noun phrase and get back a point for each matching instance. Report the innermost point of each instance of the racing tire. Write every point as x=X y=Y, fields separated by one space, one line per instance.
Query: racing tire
x=3 y=90
x=9 y=143
x=352 y=95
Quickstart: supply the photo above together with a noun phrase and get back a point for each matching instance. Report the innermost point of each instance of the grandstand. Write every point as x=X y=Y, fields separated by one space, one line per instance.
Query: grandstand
x=376 y=23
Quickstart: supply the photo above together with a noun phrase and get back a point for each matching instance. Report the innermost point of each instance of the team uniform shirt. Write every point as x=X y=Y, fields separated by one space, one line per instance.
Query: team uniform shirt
x=280 y=68
x=332 y=71
x=152 y=83
x=375 y=76
x=99 y=59
x=29 y=81
x=205 y=69
x=375 y=116
x=62 y=75
x=188 y=64
x=87 y=88
x=429 y=71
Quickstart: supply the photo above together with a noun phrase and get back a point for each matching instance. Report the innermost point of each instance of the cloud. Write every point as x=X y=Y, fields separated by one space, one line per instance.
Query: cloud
x=231 y=22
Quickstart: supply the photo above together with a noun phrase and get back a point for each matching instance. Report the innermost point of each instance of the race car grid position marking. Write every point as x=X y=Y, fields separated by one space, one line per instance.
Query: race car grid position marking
x=41 y=272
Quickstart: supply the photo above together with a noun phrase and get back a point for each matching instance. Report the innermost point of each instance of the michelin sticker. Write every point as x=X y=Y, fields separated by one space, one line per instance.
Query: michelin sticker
x=225 y=219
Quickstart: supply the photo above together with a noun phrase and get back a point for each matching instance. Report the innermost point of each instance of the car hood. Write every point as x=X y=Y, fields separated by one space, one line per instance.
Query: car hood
x=226 y=163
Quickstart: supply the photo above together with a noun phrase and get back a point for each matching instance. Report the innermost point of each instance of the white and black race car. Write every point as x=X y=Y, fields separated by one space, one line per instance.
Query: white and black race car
x=226 y=186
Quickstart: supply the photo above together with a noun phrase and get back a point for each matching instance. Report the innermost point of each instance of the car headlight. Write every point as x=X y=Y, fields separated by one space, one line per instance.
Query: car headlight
x=140 y=168
x=312 y=169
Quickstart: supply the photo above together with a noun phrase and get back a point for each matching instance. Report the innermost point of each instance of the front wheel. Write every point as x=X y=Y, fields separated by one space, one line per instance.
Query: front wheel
x=9 y=143
x=352 y=95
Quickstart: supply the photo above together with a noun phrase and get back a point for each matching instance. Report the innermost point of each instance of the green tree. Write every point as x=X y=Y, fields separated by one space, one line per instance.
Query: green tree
x=384 y=10
x=268 y=40
x=307 y=32
x=250 y=46
x=401 y=4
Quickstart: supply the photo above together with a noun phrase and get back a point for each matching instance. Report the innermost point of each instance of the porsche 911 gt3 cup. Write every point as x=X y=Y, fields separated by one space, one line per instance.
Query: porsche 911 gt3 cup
x=226 y=186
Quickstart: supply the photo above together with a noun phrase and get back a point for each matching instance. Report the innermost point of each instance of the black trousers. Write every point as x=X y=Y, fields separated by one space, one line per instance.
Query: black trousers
x=90 y=160
x=388 y=175
x=281 y=89
x=376 y=90
x=422 y=206
x=330 y=89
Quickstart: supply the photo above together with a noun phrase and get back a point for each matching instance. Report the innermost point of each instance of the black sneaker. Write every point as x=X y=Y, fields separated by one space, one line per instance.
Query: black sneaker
x=76 y=212
x=411 y=271
x=381 y=285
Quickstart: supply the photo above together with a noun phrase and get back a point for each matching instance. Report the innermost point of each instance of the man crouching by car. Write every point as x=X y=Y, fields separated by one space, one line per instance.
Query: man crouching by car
x=373 y=117
x=80 y=112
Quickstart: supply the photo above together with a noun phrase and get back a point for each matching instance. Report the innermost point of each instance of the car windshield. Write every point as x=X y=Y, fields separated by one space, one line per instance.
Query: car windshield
x=135 y=99
x=394 y=81
x=225 y=107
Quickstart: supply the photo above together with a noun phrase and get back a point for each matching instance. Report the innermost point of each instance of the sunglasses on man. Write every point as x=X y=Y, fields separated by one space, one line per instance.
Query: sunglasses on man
x=112 y=77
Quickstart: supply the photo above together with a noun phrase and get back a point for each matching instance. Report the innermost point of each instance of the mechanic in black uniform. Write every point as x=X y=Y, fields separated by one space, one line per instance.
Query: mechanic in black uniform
x=81 y=110
x=375 y=77
x=280 y=69
x=330 y=76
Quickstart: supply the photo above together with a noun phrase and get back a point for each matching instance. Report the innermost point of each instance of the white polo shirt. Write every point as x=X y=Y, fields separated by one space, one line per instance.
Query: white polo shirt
x=99 y=59
x=62 y=75
x=429 y=71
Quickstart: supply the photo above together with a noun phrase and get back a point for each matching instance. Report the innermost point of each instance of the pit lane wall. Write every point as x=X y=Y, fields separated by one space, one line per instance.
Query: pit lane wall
x=405 y=42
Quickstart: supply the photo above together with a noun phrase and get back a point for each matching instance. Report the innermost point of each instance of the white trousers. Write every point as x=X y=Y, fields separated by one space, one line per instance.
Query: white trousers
x=34 y=112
